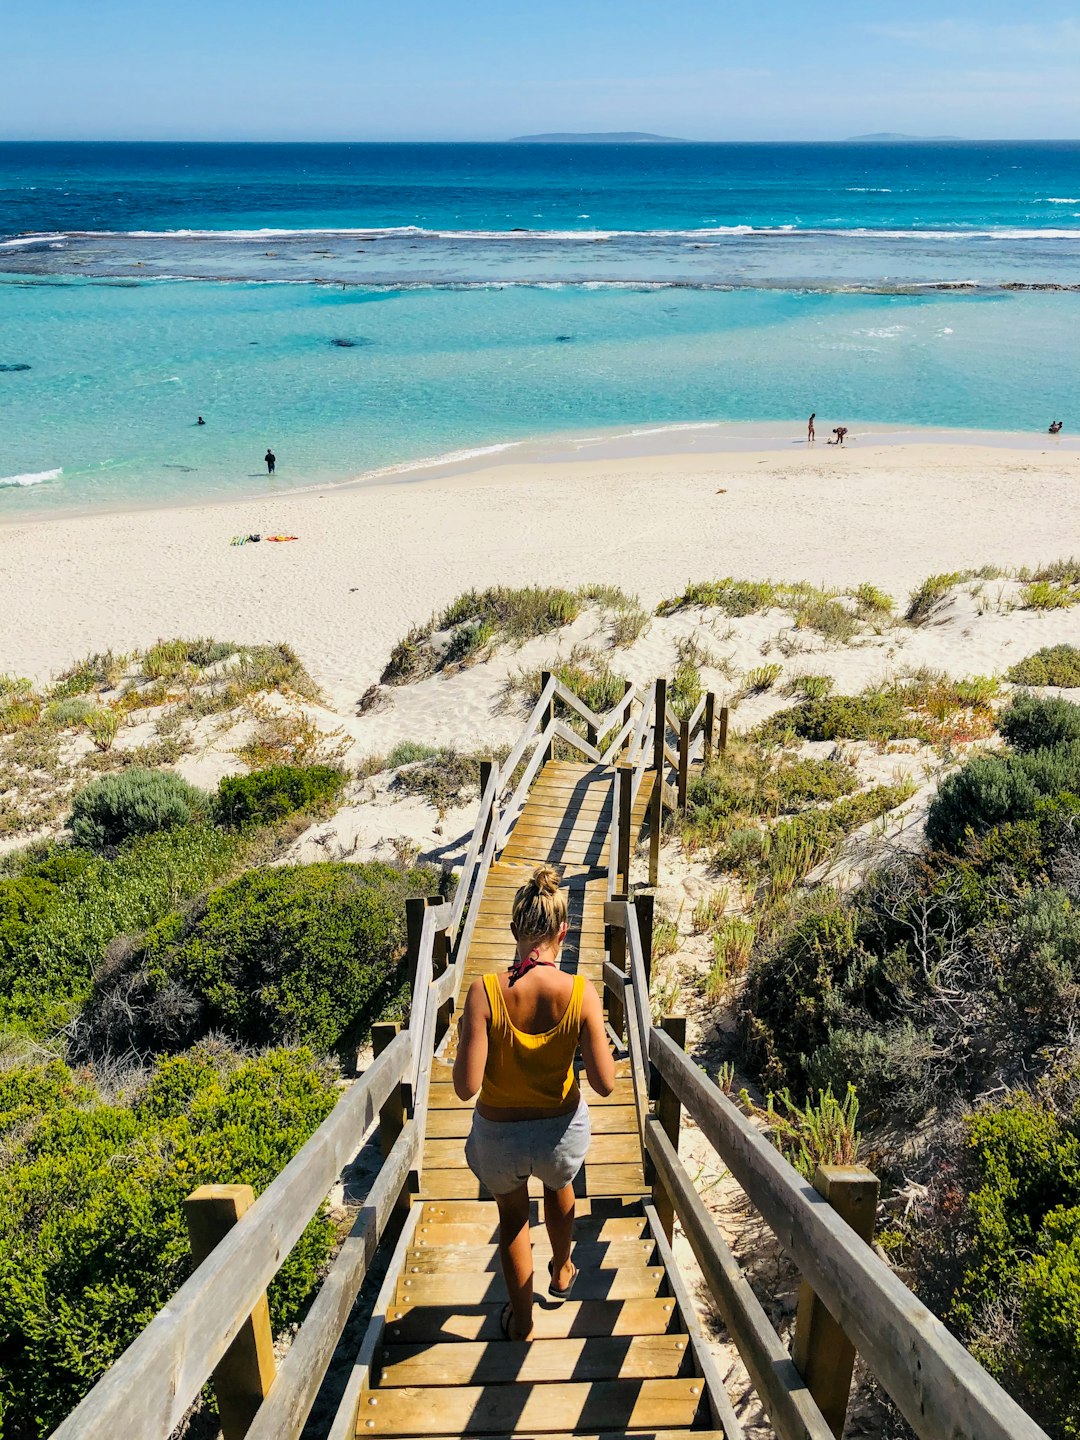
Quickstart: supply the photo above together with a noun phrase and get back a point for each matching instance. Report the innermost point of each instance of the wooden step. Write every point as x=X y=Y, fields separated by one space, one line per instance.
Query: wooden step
x=443 y=1097
x=638 y=1357
x=484 y=1259
x=435 y=1230
x=492 y=1409
x=462 y=1184
x=605 y=1120
x=603 y=1150
x=426 y=1324
x=471 y=1212
x=633 y=1282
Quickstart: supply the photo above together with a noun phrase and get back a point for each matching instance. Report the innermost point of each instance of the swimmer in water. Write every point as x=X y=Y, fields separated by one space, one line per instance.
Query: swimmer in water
x=271 y=461
x=200 y=421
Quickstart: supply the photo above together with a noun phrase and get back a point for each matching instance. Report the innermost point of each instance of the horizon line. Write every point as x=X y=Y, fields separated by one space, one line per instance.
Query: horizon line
x=513 y=139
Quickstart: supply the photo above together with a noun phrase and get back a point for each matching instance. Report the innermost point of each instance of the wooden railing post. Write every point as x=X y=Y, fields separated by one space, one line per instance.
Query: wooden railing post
x=645 y=906
x=625 y=800
x=246 y=1371
x=684 y=762
x=627 y=687
x=725 y=715
x=656 y=812
x=486 y=767
x=440 y=958
x=709 y=726
x=822 y=1353
x=548 y=717
x=393 y=1113
x=615 y=944
x=669 y=1116
x=415 y=906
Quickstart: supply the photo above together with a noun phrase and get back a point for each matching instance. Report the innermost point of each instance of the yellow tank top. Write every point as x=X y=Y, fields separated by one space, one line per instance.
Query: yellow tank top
x=524 y=1071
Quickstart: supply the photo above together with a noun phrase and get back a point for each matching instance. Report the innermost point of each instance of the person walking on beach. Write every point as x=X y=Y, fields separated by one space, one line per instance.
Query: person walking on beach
x=271 y=461
x=810 y=429
x=518 y=1036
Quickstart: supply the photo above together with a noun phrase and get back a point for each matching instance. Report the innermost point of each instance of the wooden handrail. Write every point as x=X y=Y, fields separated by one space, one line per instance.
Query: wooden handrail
x=938 y=1386
x=698 y=712
x=516 y=801
x=150 y=1387
x=600 y=723
x=487 y=806
x=533 y=723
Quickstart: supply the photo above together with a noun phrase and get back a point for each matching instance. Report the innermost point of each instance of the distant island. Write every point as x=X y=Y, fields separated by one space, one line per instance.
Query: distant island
x=892 y=137
x=600 y=137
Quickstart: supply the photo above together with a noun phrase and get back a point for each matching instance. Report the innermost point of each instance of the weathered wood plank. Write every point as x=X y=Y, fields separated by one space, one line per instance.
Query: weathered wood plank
x=636 y=1357
x=484 y=1259
x=604 y=1150
x=429 y=1323
x=588 y=1229
x=480 y=1410
x=633 y=1282
x=591 y=1180
x=597 y=1207
x=605 y=1120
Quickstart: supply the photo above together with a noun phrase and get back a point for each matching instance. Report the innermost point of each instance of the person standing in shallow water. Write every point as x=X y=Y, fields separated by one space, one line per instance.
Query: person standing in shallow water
x=271 y=461
x=517 y=1039
x=810 y=429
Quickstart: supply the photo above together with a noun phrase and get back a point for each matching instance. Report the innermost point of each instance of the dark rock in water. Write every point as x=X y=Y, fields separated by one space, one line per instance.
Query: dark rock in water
x=187 y=469
x=345 y=344
x=14 y=367
x=563 y=339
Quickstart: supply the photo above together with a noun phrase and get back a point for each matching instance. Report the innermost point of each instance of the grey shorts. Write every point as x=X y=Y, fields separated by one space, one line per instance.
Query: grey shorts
x=502 y=1154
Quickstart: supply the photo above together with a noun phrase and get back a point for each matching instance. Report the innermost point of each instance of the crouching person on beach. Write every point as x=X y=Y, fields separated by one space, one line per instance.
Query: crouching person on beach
x=519 y=1035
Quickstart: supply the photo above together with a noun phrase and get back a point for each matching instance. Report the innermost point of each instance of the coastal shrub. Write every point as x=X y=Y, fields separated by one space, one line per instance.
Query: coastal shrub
x=92 y=1235
x=1052 y=665
x=809 y=687
x=823 y=1131
x=1046 y=595
x=1016 y=1186
x=101 y=671
x=67 y=714
x=736 y=598
x=817 y=610
x=685 y=689
x=874 y=715
x=990 y=790
x=872 y=602
x=134 y=802
x=585 y=672
x=266 y=796
x=49 y=971
x=1034 y=722
x=101 y=725
x=407 y=752
x=925 y=601
x=446 y=778
x=761 y=678
x=293 y=954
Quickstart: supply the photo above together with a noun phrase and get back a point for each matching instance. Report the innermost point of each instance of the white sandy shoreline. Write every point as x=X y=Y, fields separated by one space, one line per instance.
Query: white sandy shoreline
x=373 y=559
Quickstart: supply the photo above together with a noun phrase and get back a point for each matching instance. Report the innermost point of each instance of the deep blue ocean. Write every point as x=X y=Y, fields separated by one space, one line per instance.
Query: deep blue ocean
x=363 y=306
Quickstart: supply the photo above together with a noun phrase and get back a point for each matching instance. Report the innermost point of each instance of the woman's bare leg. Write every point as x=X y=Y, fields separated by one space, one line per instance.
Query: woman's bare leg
x=515 y=1252
x=559 y=1219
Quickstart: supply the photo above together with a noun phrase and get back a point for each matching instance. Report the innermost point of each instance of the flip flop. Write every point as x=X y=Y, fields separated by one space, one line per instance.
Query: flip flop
x=553 y=1289
x=506 y=1319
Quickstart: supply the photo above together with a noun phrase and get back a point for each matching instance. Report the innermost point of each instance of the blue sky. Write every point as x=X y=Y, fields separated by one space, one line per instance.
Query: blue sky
x=488 y=69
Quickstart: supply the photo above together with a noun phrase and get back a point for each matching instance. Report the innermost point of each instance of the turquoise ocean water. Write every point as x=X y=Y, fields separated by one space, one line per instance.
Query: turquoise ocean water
x=362 y=307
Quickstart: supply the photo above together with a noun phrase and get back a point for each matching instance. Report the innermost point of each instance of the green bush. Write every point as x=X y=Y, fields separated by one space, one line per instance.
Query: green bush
x=269 y=795
x=1052 y=665
x=92 y=1234
x=47 y=970
x=734 y=597
x=134 y=802
x=990 y=790
x=1019 y=1235
x=874 y=715
x=1033 y=722
x=294 y=954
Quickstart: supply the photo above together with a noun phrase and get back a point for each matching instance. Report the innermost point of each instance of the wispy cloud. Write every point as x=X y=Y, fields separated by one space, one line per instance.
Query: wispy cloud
x=973 y=37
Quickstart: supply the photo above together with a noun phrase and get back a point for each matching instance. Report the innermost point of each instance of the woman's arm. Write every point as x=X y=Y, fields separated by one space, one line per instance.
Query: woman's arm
x=472 y=1050
x=595 y=1049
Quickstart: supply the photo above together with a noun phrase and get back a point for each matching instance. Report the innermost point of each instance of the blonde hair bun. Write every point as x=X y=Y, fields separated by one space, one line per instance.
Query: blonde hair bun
x=540 y=906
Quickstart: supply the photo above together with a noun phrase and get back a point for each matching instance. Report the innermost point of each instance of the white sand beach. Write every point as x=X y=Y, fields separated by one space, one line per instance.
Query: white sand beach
x=373 y=559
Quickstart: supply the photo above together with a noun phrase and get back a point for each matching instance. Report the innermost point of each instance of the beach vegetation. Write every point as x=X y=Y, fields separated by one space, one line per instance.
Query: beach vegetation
x=1048 y=595
x=685 y=688
x=1057 y=572
x=80 y=1279
x=809 y=686
x=1052 y=665
x=736 y=598
x=445 y=778
x=266 y=796
x=871 y=602
x=100 y=671
x=101 y=725
x=732 y=946
x=760 y=679
x=289 y=737
x=290 y=954
x=134 y=802
x=586 y=672
x=1035 y=722
x=821 y=1131
x=709 y=911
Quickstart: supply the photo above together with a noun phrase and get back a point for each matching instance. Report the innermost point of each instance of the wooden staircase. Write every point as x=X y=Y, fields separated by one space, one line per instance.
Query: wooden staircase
x=618 y=1356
